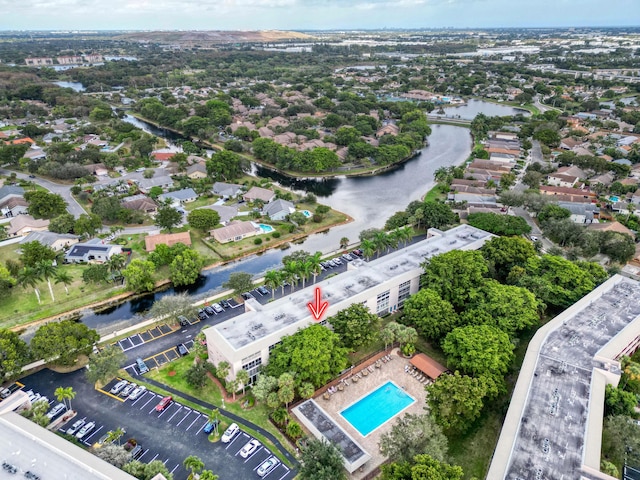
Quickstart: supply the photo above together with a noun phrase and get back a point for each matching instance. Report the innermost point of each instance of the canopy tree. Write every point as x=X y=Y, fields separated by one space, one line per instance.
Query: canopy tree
x=412 y=435
x=139 y=275
x=104 y=365
x=321 y=461
x=239 y=282
x=422 y=467
x=355 y=325
x=432 y=316
x=504 y=253
x=14 y=353
x=203 y=219
x=63 y=341
x=171 y=306
x=185 y=268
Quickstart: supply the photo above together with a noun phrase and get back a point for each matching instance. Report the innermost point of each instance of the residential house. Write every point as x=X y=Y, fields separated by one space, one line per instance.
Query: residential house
x=169 y=239
x=278 y=209
x=565 y=194
x=226 y=190
x=388 y=129
x=197 y=171
x=266 y=132
x=226 y=212
x=35 y=153
x=234 y=232
x=162 y=181
x=12 y=206
x=179 y=197
x=141 y=203
x=57 y=241
x=570 y=143
x=562 y=180
x=581 y=212
x=286 y=138
x=611 y=227
x=23 y=224
x=162 y=156
x=278 y=122
x=258 y=193
x=572 y=170
x=7 y=191
x=97 y=169
x=603 y=179
x=93 y=251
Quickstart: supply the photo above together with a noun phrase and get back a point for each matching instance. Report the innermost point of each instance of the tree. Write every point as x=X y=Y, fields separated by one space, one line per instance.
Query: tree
x=193 y=464
x=207 y=475
x=621 y=440
x=294 y=430
x=96 y=273
x=167 y=217
x=504 y=253
x=412 y=435
x=453 y=275
x=273 y=279
x=65 y=278
x=62 y=223
x=203 y=219
x=499 y=224
x=116 y=262
x=38 y=413
x=551 y=210
x=226 y=166
x=104 y=365
x=116 y=455
x=306 y=390
x=264 y=386
x=7 y=280
x=35 y=252
x=115 y=435
x=493 y=359
x=155 y=467
x=65 y=393
x=356 y=326
x=321 y=461
x=47 y=271
x=44 y=204
x=432 y=316
x=185 y=268
x=243 y=377
x=87 y=224
x=196 y=375
x=29 y=277
x=107 y=208
x=222 y=370
x=423 y=467
x=437 y=215
x=619 y=402
x=171 y=306
x=239 y=282
x=139 y=275
x=14 y=353
x=455 y=401
x=344 y=242
x=314 y=353
x=63 y=341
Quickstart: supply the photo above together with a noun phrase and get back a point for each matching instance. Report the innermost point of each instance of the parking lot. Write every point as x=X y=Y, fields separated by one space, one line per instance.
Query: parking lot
x=169 y=436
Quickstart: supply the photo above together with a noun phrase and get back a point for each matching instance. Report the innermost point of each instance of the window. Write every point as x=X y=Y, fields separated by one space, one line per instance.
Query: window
x=403 y=292
x=252 y=367
x=382 y=302
x=271 y=347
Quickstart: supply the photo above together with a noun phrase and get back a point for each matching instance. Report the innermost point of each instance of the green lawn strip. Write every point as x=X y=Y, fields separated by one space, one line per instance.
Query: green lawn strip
x=210 y=393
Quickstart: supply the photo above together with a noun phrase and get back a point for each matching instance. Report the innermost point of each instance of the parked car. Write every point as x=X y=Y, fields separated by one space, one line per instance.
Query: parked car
x=29 y=475
x=337 y=261
x=249 y=448
x=137 y=393
x=230 y=432
x=268 y=465
x=217 y=308
x=84 y=431
x=77 y=425
x=225 y=304
x=208 y=428
x=55 y=411
x=5 y=392
x=142 y=367
x=202 y=315
x=164 y=403
x=209 y=310
x=262 y=290
x=126 y=391
x=332 y=263
x=182 y=349
x=9 y=468
x=347 y=257
x=247 y=295
x=183 y=320
x=117 y=388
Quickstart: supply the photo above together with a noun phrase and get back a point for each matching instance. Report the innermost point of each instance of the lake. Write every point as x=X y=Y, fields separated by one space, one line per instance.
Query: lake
x=474 y=107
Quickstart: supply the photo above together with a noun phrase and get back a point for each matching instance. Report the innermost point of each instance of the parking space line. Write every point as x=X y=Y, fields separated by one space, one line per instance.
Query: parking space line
x=145 y=452
x=175 y=468
x=152 y=397
x=175 y=414
x=254 y=454
x=154 y=458
x=286 y=473
x=110 y=395
x=20 y=385
x=183 y=418
x=203 y=425
x=94 y=432
x=237 y=437
x=194 y=421
x=166 y=409
x=273 y=469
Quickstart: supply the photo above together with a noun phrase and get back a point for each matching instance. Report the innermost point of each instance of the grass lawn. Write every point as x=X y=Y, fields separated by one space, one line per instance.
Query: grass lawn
x=434 y=194
x=200 y=202
x=210 y=393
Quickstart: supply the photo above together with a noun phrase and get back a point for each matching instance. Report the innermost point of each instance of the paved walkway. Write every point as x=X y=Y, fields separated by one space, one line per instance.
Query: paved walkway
x=232 y=416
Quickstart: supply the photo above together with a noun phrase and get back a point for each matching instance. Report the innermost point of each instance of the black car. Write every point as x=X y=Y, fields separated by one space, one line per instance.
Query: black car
x=209 y=310
x=247 y=295
x=262 y=290
x=183 y=320
x=202 y=315
x=182 y=349
x=225 y=304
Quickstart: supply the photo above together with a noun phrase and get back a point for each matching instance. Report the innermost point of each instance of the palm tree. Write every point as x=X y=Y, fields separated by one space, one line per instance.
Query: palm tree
x=316 y=269
x=115 y=435
x=208 y=475
x=29 y=277
x=243 y=377
x=214 y=418
x=194 y=464
x=304 y=270
x=65 y=393
x=273 y=279
x=368 y=247
x=393 y=239
x=116 y=263
x=47 y=271
x=406 y=234
x=64 y=278
x=291 y=272
x=344 y=242
x=380 y=241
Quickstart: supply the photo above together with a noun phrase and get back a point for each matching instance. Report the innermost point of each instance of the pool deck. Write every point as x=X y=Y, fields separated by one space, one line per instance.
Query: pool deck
x=392 y=370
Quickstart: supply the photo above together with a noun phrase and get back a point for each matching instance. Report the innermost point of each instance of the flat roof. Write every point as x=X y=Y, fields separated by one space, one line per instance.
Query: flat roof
x=549 y=426
x=264 y=320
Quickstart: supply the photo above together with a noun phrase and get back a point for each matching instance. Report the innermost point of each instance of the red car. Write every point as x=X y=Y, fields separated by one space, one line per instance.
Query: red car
x=164 y=403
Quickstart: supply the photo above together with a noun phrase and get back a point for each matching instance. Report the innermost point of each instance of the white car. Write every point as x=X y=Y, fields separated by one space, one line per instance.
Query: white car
x=128 y=389
x=75 y=427
x=86 y=430
x=217 y=308
x=55 y=411
x=230 y=432
x=119 y=386
x=137 y=393
x=250 y=448
x=268 y=465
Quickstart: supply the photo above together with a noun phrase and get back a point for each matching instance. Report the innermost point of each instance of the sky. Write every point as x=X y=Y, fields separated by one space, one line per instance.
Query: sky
x=311 y=14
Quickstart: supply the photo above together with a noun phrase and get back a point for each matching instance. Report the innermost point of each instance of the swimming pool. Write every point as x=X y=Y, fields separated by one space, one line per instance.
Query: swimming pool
x=377 y=408
x=614 y=199
x=265 y=228
x=306 y=213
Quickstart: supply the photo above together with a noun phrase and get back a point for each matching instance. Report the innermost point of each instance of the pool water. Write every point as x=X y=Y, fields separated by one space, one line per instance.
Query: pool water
x=377 y=408
x=614 y=199
x=306 y=213
x=265 y=228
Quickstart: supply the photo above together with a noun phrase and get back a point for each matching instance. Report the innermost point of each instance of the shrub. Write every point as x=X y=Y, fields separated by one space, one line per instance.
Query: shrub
x=275 y=234
x=257 y=241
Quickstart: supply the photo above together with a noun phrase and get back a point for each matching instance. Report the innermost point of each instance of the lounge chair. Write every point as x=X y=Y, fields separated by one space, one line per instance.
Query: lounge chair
x=370 y=368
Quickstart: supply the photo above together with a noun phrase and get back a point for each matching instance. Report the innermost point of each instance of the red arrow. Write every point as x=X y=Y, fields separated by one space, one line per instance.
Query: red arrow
x=317 y=309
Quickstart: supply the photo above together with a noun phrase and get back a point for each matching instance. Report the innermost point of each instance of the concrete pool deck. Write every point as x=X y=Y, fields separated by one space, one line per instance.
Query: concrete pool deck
x=390 y=371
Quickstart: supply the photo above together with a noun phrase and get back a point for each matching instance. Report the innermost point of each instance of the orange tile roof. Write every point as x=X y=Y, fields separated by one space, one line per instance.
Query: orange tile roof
x=169 y=239
x=428 y=365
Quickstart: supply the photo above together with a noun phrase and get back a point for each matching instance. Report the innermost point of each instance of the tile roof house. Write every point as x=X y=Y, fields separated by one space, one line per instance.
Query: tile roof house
x=389 y=129
x=266 y=132
x=93 y=251
x=226 y=212
x=180 y=197
x=162 y=181
x=11 y=206
x=197 y=170
x=23 y=224
x=257 y=193
x=57 y=241
x=561 y=180
x=141 y=203
x=11 y=191
x=169 y=239
x=234 y=232
x=278 y=209
x=162 y=156
x=226 y=190
x=611 y=227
